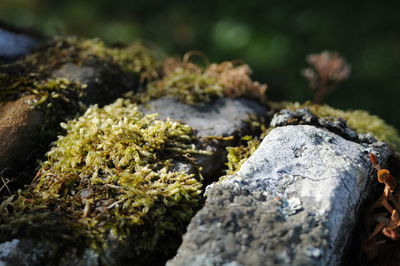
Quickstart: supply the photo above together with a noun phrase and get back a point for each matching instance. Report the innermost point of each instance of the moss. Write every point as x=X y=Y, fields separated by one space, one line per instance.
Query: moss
x=359 y=120
x=134 y=58
x=60 y=98
x=239 y=154
x=111 y=177
x=193 y=84
x=33 y=73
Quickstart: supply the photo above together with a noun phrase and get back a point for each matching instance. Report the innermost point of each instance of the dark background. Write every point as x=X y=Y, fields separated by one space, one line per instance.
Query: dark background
x=274 y=37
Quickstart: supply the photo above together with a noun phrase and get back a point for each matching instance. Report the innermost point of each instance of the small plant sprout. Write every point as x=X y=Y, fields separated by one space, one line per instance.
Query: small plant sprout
x=327 y=70
x=387 y=223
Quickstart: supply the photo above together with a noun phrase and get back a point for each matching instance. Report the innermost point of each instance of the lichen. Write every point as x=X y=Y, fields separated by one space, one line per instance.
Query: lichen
x=110 y=176
x=359 y=120
x=193 y=84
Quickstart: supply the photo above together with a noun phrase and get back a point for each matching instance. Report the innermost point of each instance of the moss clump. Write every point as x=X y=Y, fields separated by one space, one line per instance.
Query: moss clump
x=359 y=120
x=193 y=84
x=134 y=58
x=54 y=232
x=33 y=73
x=239 y=154
x=60 y=98
x=111 y=175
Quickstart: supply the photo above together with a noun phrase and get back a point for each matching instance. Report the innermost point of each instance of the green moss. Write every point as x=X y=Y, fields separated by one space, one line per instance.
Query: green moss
x=60 y=98
x=32 y=75
x=193 y=84
x=111 y=176
x=239 y=154
x=187 y=82
x=134 y=58
x=359 y=120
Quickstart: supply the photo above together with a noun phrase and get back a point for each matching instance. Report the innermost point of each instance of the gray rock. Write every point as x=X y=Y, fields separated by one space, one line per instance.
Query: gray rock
x=34 y=253
x=13 y=44
x=293 y=202
x=336 y=125
x=103 y=84
x=224 y=117
x=299 y=117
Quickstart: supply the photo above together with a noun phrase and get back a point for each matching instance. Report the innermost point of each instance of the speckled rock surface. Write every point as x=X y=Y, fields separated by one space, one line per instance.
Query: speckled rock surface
x=293 y=202
x=224 y=117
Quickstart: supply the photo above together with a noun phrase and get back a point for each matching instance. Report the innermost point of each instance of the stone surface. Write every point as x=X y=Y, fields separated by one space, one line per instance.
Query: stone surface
x=293 y=202
x=19 y=131
x=224 y=117
x=14 y=44
x=104 y=84
x=334 y=124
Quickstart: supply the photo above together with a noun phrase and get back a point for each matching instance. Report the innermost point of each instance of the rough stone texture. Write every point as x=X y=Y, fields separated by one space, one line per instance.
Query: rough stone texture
x=293 y=202
x=19 y=130
x=222 y=118
x=305 y=117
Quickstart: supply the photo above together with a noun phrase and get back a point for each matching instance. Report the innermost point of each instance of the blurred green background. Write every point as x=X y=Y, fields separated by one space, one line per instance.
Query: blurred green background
x=274 y=37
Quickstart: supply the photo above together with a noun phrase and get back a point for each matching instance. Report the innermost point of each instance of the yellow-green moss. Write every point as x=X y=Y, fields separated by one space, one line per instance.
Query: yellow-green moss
x=134 y=58
x=111 y=175
x=60 y=98
x=239 y=154
x=33 y=73
x=359 y=120
x=193 y=84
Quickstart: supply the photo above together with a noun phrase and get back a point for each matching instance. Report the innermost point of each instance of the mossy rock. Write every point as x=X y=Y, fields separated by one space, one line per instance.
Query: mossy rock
x=55 y=82
x=110 y=178
x=359 y=120
x=111 y=186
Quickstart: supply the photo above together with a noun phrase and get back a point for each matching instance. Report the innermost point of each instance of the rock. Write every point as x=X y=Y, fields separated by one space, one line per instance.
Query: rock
x=15 y=43
x=224 y=117
x=103 y=84
x=162 y=225
x=336 y=125
x=20 y=127
x=293 y=202
x=299 y=117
